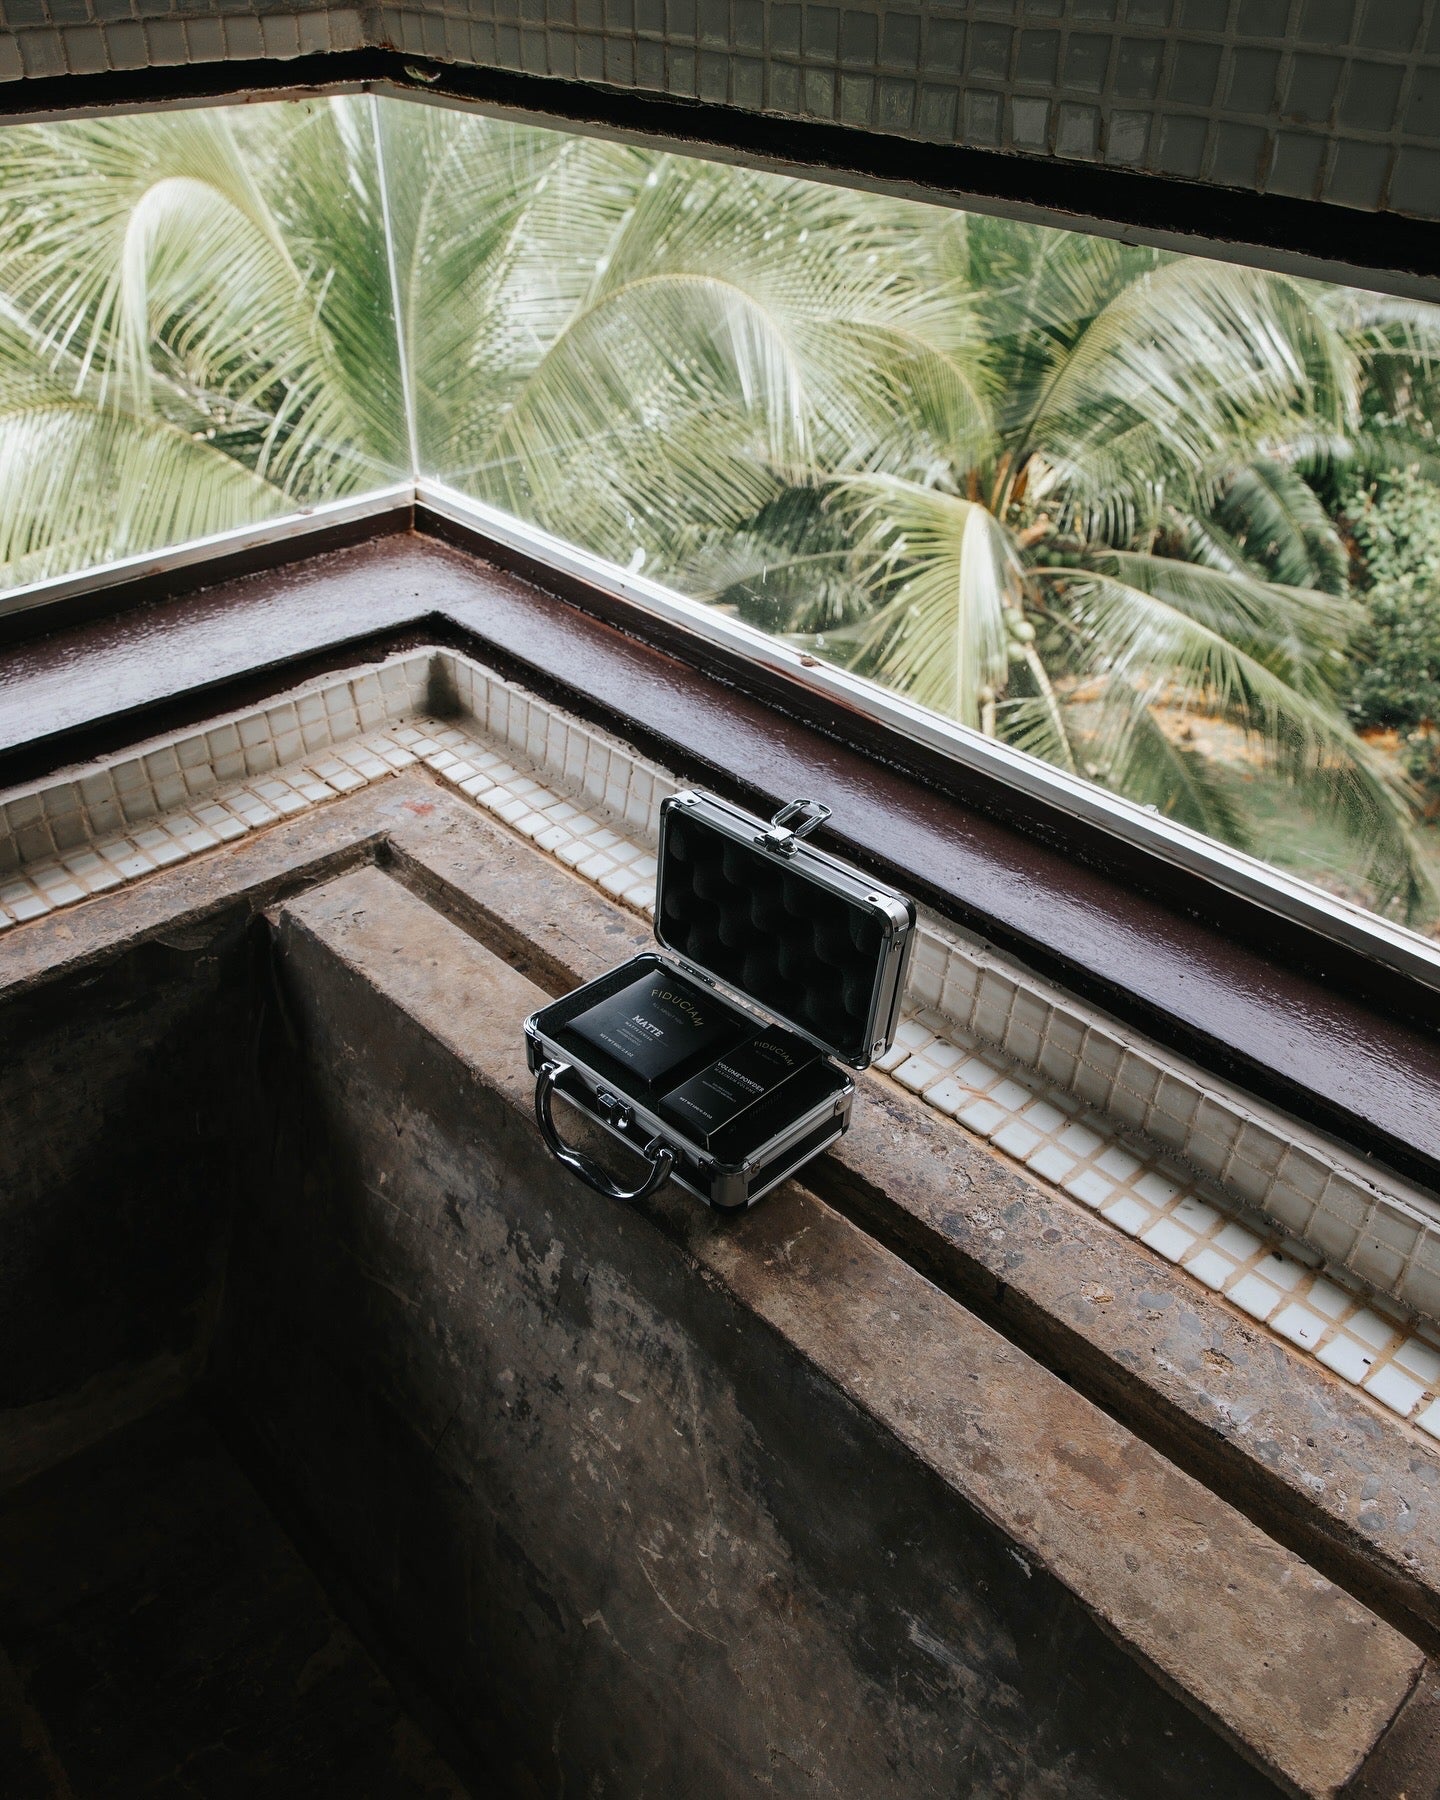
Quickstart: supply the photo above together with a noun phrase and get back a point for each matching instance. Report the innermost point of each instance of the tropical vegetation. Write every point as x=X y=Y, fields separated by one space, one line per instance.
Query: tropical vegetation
x=1073 y=493
x=1394 y=519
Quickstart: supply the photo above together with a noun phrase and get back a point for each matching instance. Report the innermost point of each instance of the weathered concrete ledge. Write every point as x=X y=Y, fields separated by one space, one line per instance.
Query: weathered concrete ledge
x=1317 y=1464
x=411 y=1032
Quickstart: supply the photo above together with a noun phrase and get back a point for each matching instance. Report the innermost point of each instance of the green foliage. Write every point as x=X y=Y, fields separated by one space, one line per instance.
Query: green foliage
x=1276 y=522
x=193 y=334
x=1396 y=655
x=638 y=350
x=1126 y=537
x=1069 y=491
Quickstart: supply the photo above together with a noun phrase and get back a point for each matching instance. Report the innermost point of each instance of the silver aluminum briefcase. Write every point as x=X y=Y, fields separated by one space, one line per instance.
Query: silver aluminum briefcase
x=773 y=957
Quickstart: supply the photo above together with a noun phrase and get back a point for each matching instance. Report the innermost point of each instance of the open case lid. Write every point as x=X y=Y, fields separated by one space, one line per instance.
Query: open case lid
x=819 y=945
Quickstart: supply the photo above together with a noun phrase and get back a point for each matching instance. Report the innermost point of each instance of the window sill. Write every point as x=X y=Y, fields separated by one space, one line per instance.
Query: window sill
x=1308 y=1026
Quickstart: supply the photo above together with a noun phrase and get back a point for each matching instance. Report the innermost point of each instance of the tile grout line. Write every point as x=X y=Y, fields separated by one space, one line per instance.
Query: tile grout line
x=1316 y=109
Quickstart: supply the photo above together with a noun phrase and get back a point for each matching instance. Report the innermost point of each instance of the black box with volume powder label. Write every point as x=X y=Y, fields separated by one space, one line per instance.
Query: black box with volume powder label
x=718 y=1095
x=659 y=1028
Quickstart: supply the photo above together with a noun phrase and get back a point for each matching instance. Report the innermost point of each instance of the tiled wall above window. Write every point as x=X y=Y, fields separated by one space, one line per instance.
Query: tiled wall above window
x=1333 y=100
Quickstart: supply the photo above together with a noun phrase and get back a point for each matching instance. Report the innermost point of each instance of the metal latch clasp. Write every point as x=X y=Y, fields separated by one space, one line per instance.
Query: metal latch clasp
x=614 y=1111
x=793 y=822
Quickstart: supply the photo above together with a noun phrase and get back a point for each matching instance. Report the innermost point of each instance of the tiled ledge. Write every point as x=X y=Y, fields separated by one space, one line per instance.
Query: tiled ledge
x=1239 y=1196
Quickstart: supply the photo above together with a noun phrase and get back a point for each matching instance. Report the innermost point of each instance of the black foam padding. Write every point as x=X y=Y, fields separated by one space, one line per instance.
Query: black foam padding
x=805 y=954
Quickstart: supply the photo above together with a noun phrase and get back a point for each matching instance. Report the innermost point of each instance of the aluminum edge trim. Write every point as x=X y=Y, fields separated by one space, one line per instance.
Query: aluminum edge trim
x=375 y=503
x=834 y=876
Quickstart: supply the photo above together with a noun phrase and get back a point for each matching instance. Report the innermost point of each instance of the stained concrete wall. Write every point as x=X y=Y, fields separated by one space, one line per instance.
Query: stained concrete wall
x=121 y=1100
x=657 y=1503
x=640 y=1537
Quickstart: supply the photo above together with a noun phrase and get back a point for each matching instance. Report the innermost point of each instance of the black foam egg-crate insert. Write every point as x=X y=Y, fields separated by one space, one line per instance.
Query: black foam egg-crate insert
x=803 y=953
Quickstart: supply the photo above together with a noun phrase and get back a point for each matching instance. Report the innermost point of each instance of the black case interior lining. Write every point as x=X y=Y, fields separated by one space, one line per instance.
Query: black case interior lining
x=760 y=1122
x=806 y=955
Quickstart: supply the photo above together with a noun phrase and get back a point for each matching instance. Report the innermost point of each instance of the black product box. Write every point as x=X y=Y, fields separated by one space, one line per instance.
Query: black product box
x=658 y=1028
x=721 y=1059
x=757 y=1067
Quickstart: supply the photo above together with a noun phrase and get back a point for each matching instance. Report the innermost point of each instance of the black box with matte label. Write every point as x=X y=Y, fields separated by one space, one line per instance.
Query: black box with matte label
x=719 y=1094
x=659 y=1028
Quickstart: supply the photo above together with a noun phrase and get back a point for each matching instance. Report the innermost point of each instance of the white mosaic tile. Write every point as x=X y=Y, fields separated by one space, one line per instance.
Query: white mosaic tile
x=1157 y=1200
x=1197 y=1173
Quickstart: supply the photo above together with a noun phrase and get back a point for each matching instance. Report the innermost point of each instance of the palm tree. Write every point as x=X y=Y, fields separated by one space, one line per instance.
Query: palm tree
x=625 y=345
x=195 y=332
x=1056 y=487
x=1127 y=540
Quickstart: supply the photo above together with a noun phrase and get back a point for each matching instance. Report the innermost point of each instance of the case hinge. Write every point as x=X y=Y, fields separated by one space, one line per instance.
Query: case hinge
x=793 y=822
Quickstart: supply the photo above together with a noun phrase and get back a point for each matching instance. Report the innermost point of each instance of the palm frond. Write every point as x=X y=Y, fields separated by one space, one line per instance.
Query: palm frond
x=1036 y=722
x=1162 y=632
x=952 y=575
x=83 y=488
x=1184 y=364
x=655 y=327
x=221 y=350
x=791 y=570
x=1299 y=634
x=1276 y=516
x=1125 y=747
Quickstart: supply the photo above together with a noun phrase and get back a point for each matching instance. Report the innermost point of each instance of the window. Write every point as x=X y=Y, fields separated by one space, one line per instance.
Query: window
x=1168 y=524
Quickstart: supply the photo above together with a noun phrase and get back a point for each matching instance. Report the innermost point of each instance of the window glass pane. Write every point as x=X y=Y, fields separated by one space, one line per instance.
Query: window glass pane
x=1169 y=523
x=195 y=328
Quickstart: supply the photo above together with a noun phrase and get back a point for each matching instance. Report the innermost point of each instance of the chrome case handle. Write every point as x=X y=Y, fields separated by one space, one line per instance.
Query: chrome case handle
x=793 y=822
x=658 y=1154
